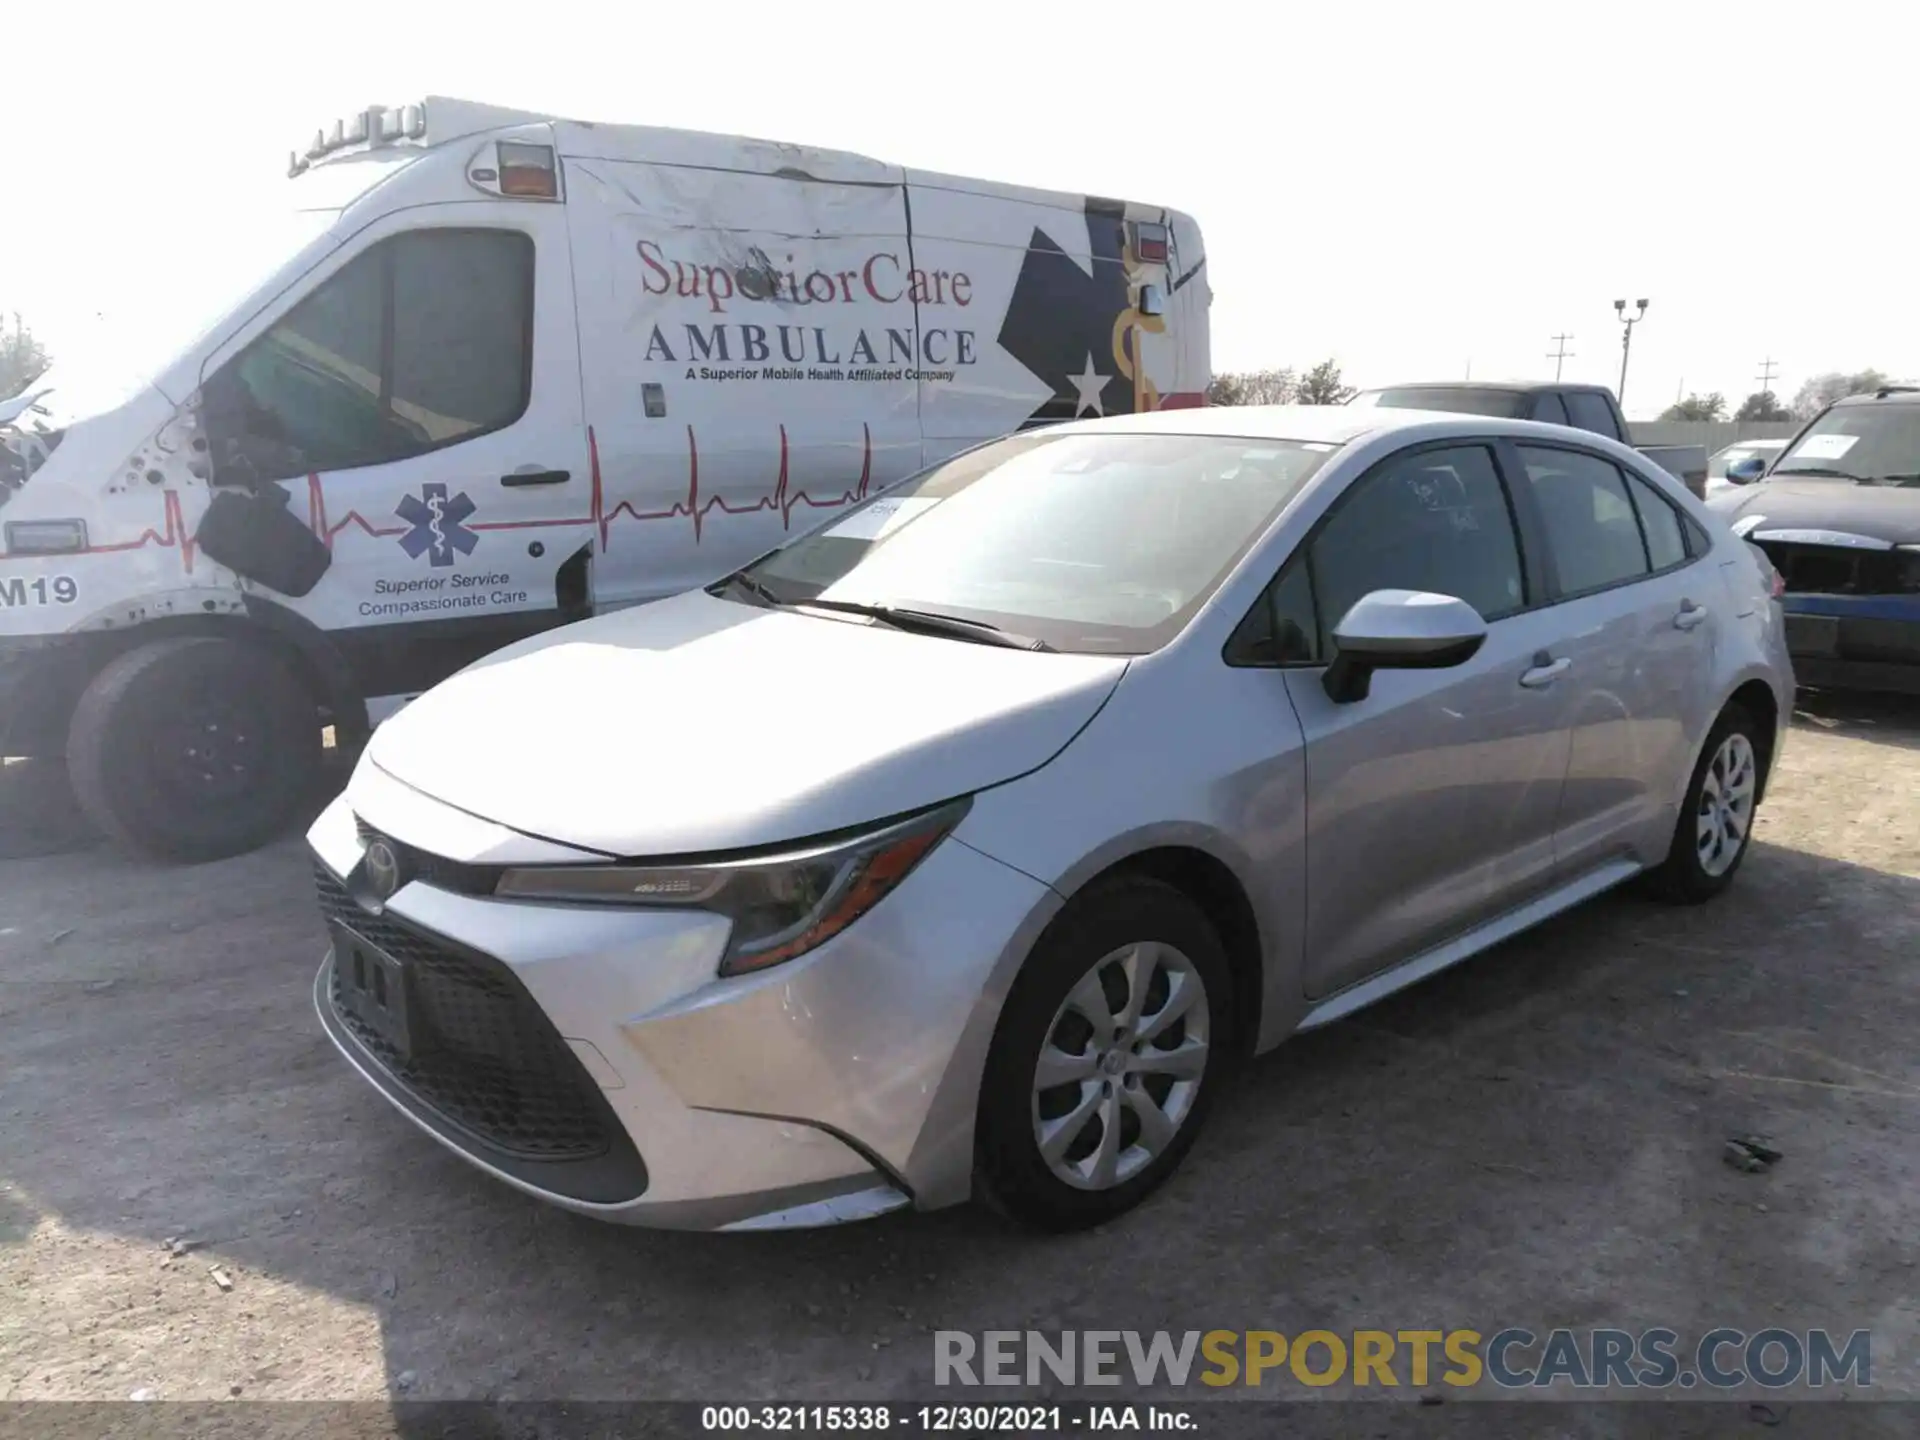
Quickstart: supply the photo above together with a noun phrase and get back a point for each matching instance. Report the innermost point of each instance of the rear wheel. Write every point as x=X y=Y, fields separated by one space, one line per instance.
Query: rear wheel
x=1105 y=1058
x=1710 y=838
x=195 y=747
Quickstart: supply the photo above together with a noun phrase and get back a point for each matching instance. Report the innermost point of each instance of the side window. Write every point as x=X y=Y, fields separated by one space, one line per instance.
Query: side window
x=1589 y=520
x=1433 y=520
x=1280 y=629
x=1550 y=408
x=1659 y=522
x=1589 y=411
x=423 y=341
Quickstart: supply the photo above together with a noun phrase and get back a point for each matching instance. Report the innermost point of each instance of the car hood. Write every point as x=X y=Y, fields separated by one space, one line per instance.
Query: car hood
x=1889 y=513
x=700 y=724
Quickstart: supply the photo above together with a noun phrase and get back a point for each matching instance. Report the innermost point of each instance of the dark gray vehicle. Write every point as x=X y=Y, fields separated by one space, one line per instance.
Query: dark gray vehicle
x=1838 y=514
x=1584 y=407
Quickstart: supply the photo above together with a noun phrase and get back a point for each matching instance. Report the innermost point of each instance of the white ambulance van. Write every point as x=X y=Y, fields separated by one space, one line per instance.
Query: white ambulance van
x=512 y=371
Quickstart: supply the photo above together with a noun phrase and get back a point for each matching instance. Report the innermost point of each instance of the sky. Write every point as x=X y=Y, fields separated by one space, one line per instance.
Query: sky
x=1419 y=190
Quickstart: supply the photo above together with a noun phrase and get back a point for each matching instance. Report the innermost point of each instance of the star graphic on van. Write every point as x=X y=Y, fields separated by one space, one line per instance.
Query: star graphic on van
x=1089 y=382
x=437 y=530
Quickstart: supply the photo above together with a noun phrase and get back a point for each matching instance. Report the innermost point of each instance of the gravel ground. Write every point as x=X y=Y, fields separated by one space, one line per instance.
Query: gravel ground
x=1534 y=1138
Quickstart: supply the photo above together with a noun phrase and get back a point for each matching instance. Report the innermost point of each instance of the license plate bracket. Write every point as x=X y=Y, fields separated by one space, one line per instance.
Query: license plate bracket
x=1813 y=635
x=373 y=985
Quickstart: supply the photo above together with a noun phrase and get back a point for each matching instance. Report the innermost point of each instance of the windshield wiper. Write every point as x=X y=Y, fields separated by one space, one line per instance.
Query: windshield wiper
x=1821 y=470
x=931 y=622
x=740 y=580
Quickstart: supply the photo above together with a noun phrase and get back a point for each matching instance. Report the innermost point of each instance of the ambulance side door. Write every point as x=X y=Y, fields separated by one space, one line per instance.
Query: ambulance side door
x=418 y=404
x=749 y=348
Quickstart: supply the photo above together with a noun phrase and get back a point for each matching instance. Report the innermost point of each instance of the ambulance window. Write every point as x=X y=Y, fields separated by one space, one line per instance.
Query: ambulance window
x=421 y=342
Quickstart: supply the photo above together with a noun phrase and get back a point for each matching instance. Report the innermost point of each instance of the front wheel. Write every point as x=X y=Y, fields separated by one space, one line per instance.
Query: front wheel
x=195 y=747
x=1715 y=827
x=1105 y=1059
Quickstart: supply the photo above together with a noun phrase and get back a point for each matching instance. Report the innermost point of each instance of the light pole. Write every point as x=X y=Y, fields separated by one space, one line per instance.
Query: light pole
x=1626 y=342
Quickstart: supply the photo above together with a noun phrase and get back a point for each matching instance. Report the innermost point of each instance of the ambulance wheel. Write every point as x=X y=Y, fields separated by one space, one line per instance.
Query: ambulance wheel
x=195 y=747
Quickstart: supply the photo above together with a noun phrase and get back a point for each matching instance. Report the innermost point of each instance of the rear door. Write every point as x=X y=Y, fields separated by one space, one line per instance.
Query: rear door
x=1431 y=804
x=1635 y=608
x=419 y=406
x=751 y=344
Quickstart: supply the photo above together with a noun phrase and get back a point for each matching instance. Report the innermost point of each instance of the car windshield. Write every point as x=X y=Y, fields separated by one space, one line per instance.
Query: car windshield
x=1095 y=543
x=1505 y=404
x=1877 y=444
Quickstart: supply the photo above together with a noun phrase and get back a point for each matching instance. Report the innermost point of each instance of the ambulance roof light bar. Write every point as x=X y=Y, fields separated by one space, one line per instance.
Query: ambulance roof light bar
x=373 y=126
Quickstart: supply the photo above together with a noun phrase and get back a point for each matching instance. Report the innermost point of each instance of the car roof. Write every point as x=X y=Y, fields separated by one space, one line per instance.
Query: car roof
x=1885 y=395
x=1313 y=424
x=1503 y=387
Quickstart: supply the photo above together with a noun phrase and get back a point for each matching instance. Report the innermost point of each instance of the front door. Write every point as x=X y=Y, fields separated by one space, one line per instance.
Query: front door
x=419 y=408
x=1430 y=803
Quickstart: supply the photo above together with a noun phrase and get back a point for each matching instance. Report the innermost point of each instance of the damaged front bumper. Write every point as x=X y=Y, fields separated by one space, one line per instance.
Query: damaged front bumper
x=1848 y=642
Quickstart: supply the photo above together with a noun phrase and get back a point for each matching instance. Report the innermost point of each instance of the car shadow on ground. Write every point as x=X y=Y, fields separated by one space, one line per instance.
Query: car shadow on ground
x=1533 y=1138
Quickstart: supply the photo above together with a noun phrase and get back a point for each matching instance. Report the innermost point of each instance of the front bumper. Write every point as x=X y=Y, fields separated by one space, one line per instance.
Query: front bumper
x=833 y=1087
x=41 y=677
x=1855 y=642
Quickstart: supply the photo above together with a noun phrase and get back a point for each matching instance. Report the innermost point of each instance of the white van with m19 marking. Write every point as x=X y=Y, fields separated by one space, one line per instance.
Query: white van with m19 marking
x=516 y=370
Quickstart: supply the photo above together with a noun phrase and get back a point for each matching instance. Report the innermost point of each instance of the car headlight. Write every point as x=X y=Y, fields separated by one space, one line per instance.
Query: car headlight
x=781 y=905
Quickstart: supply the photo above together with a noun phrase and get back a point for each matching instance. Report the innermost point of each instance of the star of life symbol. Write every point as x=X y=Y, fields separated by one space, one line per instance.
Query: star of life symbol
x=437 y=530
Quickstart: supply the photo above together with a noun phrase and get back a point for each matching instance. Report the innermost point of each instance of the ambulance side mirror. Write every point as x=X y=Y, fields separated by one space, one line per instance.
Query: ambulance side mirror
x=1152 y=302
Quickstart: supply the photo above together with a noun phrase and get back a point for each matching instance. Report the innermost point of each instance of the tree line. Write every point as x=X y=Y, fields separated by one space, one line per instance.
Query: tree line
x=1321 y=385
x=1808 y=401
x=22 y=358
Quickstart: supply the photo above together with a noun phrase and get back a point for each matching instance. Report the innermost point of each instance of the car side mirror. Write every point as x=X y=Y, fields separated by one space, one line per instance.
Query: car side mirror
x=1745 y=472
x=1399 y=630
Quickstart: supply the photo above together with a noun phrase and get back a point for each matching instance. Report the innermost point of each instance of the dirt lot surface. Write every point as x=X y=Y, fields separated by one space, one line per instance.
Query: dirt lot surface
x=1534 y=1138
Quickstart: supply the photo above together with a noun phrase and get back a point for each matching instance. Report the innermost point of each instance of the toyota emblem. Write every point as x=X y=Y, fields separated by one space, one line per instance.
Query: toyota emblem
x=383 y=869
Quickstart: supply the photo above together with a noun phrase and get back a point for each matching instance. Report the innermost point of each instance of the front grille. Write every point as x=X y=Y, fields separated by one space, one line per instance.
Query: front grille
x=1842 y=570
x=486 y=1057
x=436 y=870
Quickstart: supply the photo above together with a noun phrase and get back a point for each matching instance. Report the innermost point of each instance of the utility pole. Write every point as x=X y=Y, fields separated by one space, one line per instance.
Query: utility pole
x=1559 y=355
x=1767 y=368
x=1626 y=342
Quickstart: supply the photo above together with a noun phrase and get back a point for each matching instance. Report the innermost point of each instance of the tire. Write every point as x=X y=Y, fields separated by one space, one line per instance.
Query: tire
x=143 y=768
x=1173 y=944
x=1694 y=871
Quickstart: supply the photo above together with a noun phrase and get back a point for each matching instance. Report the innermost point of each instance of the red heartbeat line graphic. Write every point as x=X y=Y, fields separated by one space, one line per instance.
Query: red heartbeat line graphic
x=173 y=537
x=695 y=509
x=782 y=500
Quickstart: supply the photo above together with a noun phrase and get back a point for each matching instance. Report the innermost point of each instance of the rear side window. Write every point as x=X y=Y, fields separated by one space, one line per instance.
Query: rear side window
x=1659 y=522
x=1590 y=411
x=423 y=341
x=1590 y=521
x=1548 y=407
x=1434 y=520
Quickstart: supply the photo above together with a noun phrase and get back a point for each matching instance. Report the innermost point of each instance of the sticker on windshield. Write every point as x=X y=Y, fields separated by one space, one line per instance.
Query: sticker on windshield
x=1824 y=447
x=881 y=517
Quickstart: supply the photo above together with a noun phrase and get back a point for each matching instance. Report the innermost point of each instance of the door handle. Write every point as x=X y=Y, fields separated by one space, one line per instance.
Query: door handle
x=1545 y=672
x=1690 y=615
x=535 y=476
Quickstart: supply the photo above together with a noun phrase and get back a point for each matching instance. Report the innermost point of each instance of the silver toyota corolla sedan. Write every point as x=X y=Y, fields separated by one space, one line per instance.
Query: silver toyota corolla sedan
x=961 y=846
